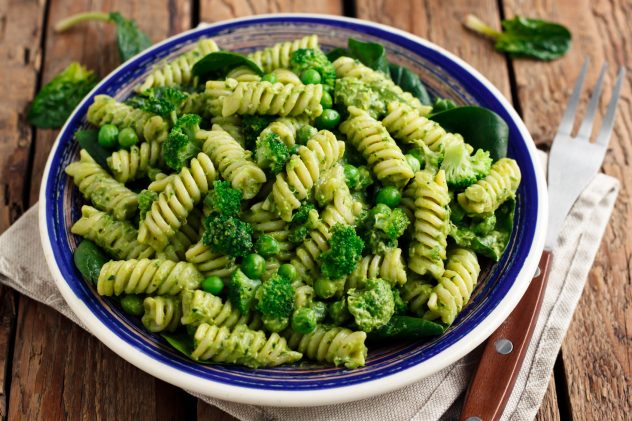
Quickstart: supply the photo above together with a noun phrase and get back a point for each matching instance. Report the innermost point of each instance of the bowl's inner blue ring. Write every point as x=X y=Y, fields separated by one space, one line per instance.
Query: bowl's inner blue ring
x=383 y=361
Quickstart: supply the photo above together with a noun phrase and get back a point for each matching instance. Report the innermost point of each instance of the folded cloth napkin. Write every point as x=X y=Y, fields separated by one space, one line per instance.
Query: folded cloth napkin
x=22 y=267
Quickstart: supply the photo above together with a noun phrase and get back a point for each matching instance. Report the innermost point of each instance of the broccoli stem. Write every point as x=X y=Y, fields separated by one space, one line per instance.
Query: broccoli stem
x=477 y=25
x=73 y=20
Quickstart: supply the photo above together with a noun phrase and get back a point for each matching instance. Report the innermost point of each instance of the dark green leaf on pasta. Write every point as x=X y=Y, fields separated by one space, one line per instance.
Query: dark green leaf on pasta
x=54 y=103
x=216 y=65
x=480 y=127
x=407 y=327
x=89 y=259
x=88 y=140
x=370 y=54
x=409 y=82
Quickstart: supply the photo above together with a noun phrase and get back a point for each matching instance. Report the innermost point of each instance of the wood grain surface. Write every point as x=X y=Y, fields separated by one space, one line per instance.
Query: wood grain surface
x=51 y=369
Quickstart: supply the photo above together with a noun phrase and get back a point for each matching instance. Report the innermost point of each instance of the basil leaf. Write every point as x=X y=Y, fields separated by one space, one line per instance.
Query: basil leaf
x=525 y=37
x=54 y=103
x=480 y=127
x=217 y=65
x=88 y=140
x=370 y=54
x=409 y=82
x=130 y=39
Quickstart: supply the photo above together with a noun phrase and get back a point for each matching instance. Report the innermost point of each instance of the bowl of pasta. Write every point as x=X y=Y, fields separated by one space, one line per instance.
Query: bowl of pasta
x=302 y=225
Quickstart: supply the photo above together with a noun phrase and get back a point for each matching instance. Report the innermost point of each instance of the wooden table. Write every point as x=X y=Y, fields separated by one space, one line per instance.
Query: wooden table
x=51 y=369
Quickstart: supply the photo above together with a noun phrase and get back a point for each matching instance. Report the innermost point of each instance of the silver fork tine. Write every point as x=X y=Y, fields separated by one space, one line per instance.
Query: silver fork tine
x=603 y=137
x=566 y=125
x=585 y=129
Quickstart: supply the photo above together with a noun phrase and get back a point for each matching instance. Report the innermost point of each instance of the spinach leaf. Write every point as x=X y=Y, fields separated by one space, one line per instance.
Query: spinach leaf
x=336 y=53
x=88 y=140
x=407 y=327
x=216 y=65
x=370 y=54
x=180 y=341
x=480 y=127
x=89 y=259
x=409 y=82
x=54 y=103
x=525 y=37
x=130 y=38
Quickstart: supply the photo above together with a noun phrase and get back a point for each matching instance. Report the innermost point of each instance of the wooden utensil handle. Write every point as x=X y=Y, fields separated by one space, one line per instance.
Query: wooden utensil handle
x=504 y=353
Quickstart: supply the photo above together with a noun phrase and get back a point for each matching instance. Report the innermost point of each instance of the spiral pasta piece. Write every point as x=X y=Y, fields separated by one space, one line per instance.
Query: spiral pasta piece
x=202 y=307
x=101 y=189
x=301 y=173
x=267 y=98
x=232 y=125
x=179 y=70
x=209 y=262
x=455 y=286
x=194 y=103
x=134 y=163
x=215 y=91
x=241 y=346
x=287 y=76
x=161 y=182
x=415 y=293
x=430 y=229
x=333 y=344
x=232 y=161
x=372 y=140
x=487 y=194
x=286 y=128
x=269 y=223
x=147 y=276
x=389 y=266
x=348 y=67
x=243 y=74
x=279 y=54
x=106 y=110
x=162 y=313
x=408 y=125
x=188 y=235
x=303 y=294
x=117 y=238
x=170 y=210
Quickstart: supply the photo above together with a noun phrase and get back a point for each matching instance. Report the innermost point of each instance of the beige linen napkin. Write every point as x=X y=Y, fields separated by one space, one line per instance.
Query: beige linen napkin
x=22 y=267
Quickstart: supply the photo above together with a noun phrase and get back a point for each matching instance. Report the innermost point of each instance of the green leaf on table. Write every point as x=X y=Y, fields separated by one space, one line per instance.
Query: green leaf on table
x=526 y=37
x=480 y=127
x=216 y=65
x=54 y=103
x=130 y=39
x=409 y=82
x=88 y=140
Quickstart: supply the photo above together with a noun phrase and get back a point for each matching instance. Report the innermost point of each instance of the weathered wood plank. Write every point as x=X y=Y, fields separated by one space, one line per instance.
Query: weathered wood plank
x=214 y=10
x=59 y=370
x=20 y=35
x=596 y=351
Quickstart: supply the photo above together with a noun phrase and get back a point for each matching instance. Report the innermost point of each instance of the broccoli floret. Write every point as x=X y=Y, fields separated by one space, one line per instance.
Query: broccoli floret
x=344 y=253
x=160 y=100
x=180 y=145
x=400 y=305
x=338 y=311
x=371 y=306
x=309 y=58
x=145 y=200
x=241 y=291
x=358 y=178
x=381 y=228
x=303 y=221
x=461 y=169
x=224 y=199
x=227 y=234
x=275 y=301
x=252 y=126
x=427 y=158
x=351 y=91
x=272 y=153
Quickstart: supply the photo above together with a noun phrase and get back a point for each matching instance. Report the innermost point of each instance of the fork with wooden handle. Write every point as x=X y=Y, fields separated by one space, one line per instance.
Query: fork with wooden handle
x=573 y=163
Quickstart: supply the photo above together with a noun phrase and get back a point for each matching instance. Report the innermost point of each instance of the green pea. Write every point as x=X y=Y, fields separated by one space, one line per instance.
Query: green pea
x=418 y=154
x=270 y=77
x=413 y=162
x=305 y=133
x=328 y=119
x=388 y=196
x=267 y=246
x=108 y=135
x=304 y=320
x=352 y=175
x=288 y=271
x=127 y=137
x=253 y=265
x=213 y=284
x=310 y=77
x=132 y=304
x=326 y=100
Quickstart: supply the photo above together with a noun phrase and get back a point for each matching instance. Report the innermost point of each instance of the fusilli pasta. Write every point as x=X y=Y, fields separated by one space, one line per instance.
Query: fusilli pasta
x=332 y=344
x=161 y=313
x=279 y=54
x=487 y=194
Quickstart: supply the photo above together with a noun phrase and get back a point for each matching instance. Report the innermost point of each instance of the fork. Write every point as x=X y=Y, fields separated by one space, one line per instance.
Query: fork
x=573 y=163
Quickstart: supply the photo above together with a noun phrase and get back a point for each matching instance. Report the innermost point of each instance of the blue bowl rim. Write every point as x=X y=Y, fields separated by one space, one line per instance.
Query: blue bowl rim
x=327 y=396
